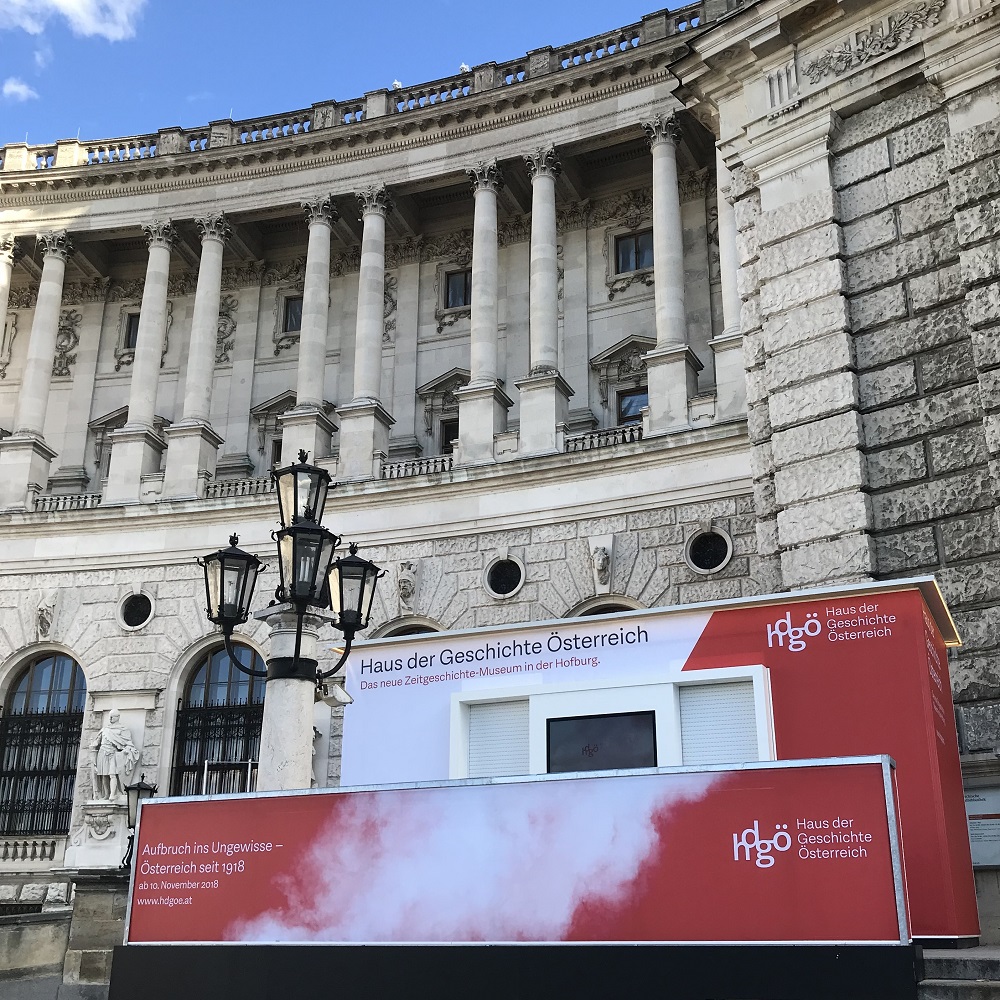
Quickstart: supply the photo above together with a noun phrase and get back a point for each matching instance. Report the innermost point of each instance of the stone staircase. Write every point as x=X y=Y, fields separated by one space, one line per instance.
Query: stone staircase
x=972 y=974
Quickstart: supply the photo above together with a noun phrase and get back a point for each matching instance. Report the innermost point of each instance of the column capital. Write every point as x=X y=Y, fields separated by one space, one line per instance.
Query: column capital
x=322 y=211
x=485 y=176
x=56 y=244
x=662 y=128
x=10 y=250
x=543 y=163
x=375 y=198
x=213 y=227
x=160 y=233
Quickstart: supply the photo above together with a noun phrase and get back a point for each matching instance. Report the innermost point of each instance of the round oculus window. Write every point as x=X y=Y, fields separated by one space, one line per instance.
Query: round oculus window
x=709 y=551
x=136 y=610
x=504 y=577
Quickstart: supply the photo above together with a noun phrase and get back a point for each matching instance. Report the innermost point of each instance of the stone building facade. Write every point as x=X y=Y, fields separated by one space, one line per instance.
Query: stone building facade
x=701 y=308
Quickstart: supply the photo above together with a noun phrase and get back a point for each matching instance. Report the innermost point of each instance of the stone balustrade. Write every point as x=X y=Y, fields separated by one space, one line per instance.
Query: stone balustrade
x=222 y=488
x=20 y=157
x=628 y=434
x=46 y=503
x=417 y=467
x=29 y=850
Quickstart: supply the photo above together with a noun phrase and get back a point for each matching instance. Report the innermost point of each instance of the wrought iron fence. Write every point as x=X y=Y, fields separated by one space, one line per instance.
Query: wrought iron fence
x=227 y=736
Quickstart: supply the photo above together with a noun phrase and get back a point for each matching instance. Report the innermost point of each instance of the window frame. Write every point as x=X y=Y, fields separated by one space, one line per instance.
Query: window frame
x=633 y=236
x=625 y=393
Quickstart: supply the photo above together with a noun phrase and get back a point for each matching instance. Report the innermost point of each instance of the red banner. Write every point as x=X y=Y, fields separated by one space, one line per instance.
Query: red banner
x=761 y=853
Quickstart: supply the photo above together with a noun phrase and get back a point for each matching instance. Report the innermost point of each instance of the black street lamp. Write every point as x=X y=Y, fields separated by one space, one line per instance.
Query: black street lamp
x=302 y=491
x=350 y=591
x=135 y=793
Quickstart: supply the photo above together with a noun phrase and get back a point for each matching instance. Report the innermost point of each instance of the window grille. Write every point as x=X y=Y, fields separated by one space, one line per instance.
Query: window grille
x=218 y=725
x=39 y=745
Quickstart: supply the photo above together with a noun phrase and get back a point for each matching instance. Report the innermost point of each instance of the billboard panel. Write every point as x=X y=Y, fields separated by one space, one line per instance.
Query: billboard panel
x=803 y=852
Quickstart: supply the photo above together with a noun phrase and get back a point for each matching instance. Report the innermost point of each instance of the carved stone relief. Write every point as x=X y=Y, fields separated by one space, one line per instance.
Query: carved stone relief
x=67 y=338
x=389 y=308
x=225 y=338
x=7 y=337
x=124 y=356
x=406 y=582
x=45 y=614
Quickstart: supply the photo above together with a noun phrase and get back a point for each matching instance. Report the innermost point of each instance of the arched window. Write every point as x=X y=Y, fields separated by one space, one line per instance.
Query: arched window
x=39 y=743
x=217 y=739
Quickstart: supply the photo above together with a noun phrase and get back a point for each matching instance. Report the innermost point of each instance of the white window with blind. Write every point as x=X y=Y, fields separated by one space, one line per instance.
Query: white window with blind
x=706 y=717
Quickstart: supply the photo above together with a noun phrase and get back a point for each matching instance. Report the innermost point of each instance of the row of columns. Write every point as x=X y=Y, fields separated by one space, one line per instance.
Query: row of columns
x=191 y=443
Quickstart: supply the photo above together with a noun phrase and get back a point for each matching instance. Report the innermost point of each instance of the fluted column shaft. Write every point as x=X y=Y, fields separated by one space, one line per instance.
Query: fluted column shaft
x=205 y=321
x=485 y=317
x=375 y=202
x=315 y=305
x=543 y=318
x=668 y=234
x=33 y=398
x=152 y=327
x=728 y=258
x=9 y=252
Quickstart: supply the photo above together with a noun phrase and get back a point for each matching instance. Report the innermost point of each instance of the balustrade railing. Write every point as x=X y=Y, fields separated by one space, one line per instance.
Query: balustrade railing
x=626 y=434
x=22 y=157
x=417 y=467
x=28 y=850
x=222 y=488
x=50 y=502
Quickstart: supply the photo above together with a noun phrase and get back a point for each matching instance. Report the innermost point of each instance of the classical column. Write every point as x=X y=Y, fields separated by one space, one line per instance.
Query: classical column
x=482 y=404
x=25 y=458
x=672 y=367
x=306 y=427
x=10 y=251
x=544 y=393
x=192 y=444
x=364 y=422
x=730 y=376
x=137 y=448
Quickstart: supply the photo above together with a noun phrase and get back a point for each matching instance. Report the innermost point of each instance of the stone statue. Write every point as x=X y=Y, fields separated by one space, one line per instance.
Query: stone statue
x=602 y=565
x=407 y=585
x=114 y=758
x=44 y=615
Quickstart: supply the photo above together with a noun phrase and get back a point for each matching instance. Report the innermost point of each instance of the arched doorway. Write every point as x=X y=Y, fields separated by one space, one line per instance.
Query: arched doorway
x=217 y=736
x=39 y=745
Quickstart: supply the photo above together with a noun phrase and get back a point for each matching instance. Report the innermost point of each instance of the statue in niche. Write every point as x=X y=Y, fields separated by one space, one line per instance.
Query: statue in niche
x=602 y=565
x=114 y=758
x=407 y=585
x=44 y=615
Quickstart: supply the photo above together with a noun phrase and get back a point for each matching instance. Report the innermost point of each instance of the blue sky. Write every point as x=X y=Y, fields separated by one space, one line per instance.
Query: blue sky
x=108 y=68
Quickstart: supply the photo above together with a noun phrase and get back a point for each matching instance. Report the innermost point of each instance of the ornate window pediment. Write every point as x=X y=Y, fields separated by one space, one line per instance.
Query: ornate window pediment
x=265 y=415
x=441 y=403
x=101 y=429
x=622 y=366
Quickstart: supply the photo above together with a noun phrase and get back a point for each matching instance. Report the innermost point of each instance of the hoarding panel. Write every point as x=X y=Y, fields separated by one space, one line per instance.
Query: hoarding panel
x=763 y=853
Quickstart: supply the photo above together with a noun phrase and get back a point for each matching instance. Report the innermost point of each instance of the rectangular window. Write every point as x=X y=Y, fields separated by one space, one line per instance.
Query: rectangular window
x=131 y=331
x=275 y=452
x=449 y=432
x=634 y=252
x=602 y=742
x=458 y=289
x=291 y=321
x=630 y=404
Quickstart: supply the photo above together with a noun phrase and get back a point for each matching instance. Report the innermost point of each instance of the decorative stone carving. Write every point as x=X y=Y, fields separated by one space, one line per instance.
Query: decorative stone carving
x=692 y=185
x=243 y=275
x=514 y=230
x=375 y=198
x=225 y=338
x=438 y=395
x=159 y=233
x=346 y=262
x=124 y=356
x=57 y=244
x=23 y=298
x=544 y=162
x=486 y=175
x=114 y=756
x=662 y=128
x=45 y=614
x=783 y=89
x=321 y=210
x=634 y=209
x=602 y=556
x=622 y=365
x=871 y=43
x=10 y=250
x=67 y=338
x=407 y=251
x=602 y=564
x=213 y=227
x=94 y=290
x=122 y=291
x=455 y=247
x=7 y=337
x=292 y=272
x=100 y=823
x=407 y=584
x=575 y=216
x=389 y=308
x=179 y=285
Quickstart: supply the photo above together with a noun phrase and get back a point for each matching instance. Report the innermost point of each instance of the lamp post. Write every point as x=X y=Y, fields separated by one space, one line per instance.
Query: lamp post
x=314 y=588
x=135 y=793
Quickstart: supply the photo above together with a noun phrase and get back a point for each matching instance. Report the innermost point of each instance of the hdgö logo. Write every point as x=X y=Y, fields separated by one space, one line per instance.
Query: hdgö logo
x=751 y=844
x=783 y=629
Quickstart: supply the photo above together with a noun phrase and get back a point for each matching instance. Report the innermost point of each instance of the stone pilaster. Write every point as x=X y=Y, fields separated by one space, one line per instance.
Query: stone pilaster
x=137 y=448
x=806 y=396
x=730 y=380
x=672 y=367
x=25 y=458
x=544 y=393
x=364 y=422
x=192 y=443
x=306 y=427
x=482 y=404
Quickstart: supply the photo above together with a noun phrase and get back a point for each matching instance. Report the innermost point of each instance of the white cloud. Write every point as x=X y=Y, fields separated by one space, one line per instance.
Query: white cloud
x=17 y=90
x=43 y=56
x=112 y=19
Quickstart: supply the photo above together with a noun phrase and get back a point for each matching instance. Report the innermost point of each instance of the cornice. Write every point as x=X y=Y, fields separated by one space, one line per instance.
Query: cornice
x=75 y=184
